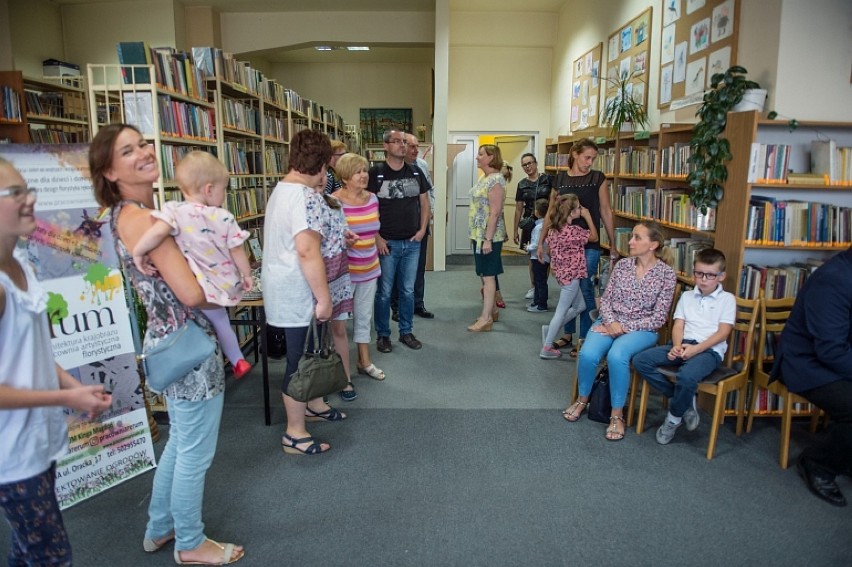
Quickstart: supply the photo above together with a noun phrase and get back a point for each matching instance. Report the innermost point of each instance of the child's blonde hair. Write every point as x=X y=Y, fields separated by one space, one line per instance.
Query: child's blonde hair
x=561 y=213
x=197 y=169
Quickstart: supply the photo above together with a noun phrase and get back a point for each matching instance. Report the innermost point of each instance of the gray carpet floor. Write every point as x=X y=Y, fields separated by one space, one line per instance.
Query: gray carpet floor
x=461 y=457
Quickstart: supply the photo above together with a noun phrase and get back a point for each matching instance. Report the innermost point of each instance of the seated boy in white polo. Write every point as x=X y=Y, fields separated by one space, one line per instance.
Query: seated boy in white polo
x=703 y=319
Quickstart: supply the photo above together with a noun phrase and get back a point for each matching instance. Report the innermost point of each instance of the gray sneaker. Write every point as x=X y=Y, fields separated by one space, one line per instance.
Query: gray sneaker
x=691 y=419
x=666 y=432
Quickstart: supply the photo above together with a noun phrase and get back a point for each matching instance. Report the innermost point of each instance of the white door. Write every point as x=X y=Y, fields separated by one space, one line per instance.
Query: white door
x=463 y=175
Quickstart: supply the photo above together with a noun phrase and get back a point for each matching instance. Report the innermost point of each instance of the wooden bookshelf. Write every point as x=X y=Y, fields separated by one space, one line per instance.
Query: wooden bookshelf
x=49 y=110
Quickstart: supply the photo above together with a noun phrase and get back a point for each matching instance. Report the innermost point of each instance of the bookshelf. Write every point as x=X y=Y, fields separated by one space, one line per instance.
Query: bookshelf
x=735 y=230
x=49 y=110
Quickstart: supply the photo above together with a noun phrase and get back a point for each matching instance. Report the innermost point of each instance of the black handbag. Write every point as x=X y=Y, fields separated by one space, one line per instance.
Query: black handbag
x=526 y=222
x=276 y=342
x=320 y=371
x=600 y=406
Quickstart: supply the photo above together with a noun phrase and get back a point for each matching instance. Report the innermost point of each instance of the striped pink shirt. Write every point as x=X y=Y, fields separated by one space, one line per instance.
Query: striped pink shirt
x=363 y=220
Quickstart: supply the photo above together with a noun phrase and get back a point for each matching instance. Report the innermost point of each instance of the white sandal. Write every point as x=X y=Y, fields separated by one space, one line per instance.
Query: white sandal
x=372 y=372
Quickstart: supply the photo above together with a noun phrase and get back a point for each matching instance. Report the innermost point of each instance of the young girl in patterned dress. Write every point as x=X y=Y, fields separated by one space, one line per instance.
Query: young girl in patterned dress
x=566 y=242
x=210 y=239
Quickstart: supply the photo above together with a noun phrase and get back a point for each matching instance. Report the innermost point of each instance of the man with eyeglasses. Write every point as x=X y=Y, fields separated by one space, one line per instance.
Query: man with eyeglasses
x=404 y=212
x=412 y=158
x=814 y=360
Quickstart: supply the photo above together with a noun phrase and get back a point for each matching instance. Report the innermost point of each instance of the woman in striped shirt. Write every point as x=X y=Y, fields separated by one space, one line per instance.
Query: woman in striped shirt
x=362 y=214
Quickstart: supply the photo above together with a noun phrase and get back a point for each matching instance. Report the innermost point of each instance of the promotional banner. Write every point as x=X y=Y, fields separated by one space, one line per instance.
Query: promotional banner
x=73 y=255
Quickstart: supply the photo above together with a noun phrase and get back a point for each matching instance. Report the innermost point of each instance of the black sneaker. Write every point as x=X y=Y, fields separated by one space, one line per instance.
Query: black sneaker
x=383 y=344
x=425 y=313
x=410 y=341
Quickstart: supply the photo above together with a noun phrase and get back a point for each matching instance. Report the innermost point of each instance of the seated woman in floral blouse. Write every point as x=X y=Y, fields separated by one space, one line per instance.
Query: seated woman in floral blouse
x=635 y=304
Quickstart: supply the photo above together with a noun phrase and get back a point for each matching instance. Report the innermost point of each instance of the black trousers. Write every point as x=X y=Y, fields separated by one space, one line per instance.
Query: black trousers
x=419 y=281
x=834 y=452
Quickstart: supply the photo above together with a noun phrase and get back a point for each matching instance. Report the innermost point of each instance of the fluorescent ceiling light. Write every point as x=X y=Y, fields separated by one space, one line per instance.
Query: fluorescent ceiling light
x=323 y=48
x=357 y=48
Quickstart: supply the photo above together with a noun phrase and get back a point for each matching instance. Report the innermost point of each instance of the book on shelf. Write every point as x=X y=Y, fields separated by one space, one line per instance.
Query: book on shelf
x=135 y=53
x=795 y=178
x=10 y=104
x=139 y=111
x=824 y=158
x=768 y=162
x=683 y=250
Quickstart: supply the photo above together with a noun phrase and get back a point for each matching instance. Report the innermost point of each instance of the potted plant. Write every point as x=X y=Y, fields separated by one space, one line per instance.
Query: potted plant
x=622 y=108
x=709 y=149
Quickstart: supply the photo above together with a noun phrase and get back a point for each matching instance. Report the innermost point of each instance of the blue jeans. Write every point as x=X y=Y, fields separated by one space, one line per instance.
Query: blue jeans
x=587 y=288
x=399 y=266
x=419 y=281
x=618 y=353
x=179 y=481
x=689 y=374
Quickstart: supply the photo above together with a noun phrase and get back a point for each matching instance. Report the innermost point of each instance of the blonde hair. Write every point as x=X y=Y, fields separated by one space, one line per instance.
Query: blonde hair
x=561 y=213
x=349 y=164
x=338 y=145
x=197 y=169
x=655 y=234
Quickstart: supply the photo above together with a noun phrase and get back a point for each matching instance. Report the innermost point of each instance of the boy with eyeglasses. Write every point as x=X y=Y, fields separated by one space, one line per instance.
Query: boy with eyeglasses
x=703 y=319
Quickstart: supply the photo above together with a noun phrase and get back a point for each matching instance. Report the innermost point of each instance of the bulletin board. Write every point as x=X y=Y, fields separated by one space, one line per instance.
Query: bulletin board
x=628 y=55
x=585 y=89
x=699 y=39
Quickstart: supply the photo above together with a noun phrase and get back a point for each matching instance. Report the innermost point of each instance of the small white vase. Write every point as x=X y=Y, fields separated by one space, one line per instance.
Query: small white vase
x=753 y=99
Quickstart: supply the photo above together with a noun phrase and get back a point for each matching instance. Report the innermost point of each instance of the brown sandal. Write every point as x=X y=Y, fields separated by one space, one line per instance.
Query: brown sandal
x=562 y=342
x=571 y=413
x=612 y=432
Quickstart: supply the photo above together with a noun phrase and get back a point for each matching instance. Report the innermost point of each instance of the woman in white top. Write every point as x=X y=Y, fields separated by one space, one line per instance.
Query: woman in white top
x=33 y=391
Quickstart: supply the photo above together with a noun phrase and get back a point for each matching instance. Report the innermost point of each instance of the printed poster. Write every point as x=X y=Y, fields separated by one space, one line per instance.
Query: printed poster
x=74 y=258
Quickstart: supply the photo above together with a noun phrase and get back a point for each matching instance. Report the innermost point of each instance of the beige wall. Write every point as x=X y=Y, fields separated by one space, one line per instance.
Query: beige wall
x=347 y=87
x=35 y=34
x=89 y=40
x=6 y=59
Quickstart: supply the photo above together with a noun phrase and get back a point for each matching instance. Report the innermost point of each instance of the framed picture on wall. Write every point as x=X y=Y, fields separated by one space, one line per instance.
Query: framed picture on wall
x=375 y=121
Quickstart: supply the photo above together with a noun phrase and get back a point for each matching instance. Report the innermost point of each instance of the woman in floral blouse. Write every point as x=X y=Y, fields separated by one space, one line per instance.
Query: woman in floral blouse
x=487 y=230
x=635 y=304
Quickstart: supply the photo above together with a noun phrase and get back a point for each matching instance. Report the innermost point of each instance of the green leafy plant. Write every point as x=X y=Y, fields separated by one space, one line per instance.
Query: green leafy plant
x=709 y=149
x=622 y=107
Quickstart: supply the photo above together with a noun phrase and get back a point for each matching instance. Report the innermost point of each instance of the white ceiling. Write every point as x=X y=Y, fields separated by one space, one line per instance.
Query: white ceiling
x=379 y=52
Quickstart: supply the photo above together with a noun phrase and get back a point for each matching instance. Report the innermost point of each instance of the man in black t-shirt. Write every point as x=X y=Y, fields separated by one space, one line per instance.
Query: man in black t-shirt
x=404 y=212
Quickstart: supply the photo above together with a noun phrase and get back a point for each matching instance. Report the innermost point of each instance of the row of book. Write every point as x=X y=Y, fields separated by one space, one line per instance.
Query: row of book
x=275 y=159
x=170 y=156
x=769 y=162
x=58 y=135
x=243 y=202
x=241 y=115
x=640 y=160
x=10 y=104
x=53 y=105
x=177 y=118
x=797 y=223
x=669 y=205
x=275 y=127
x=681 y=250
x=215 y=63
x=241 y=158
x=674 y=160
x=775 y=282
x=173 y=70
x=827 y=159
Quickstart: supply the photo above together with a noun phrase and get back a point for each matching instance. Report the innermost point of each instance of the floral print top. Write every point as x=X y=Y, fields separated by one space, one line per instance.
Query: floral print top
x=567 y=257
x=638 y=304
x=331 y=224
x=165 y=315
x=479 y=209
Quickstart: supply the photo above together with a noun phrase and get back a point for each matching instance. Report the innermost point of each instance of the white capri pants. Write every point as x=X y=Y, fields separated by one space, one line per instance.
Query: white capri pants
x=363 y=299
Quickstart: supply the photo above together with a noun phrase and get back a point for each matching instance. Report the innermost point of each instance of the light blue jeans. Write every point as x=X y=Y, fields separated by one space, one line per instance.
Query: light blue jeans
x=179 y=480
x=618 y=353
x=399 y=266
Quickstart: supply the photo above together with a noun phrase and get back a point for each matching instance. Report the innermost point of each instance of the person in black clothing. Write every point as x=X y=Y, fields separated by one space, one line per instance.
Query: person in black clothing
x=814 y=360
x=531 y=188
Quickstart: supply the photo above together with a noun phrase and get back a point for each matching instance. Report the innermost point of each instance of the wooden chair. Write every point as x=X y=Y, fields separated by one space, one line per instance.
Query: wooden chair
x=732 y=376
x=636 y=380
x=773 y=316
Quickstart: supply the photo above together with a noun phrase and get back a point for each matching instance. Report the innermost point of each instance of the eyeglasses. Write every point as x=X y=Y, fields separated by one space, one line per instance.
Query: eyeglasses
x=706 y=275
x=396 y=142
x=528 y=164
x=19 y=193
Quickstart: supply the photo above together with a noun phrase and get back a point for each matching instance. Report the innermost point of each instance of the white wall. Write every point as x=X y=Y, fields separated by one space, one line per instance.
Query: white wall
x=500 y=72
x=348 y=87
x=92 y=31
x=246 y=32
x=814 y=61
x=36 y=34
